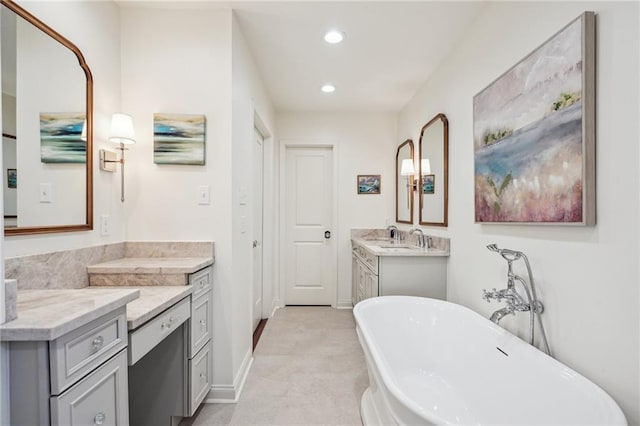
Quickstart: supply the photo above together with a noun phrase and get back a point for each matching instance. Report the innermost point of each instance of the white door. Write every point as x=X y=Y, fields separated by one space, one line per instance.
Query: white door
x=310 y=257
x=258 y=158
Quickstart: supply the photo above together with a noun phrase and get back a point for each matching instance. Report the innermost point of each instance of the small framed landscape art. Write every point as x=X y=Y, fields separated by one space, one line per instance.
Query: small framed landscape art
x=61 y=137
x=368 y=184
x=428 y=184
x=179 y=139
x=534 y=135
x=12 y=178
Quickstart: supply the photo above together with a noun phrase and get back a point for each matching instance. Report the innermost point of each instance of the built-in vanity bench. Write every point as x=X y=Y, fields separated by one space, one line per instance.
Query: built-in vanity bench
x=170 y=331
x=134 y=347
x=383 y=266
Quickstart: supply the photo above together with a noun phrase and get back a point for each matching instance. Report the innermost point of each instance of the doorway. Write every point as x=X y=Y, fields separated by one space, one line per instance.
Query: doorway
x=258 y=213
x=310 y=256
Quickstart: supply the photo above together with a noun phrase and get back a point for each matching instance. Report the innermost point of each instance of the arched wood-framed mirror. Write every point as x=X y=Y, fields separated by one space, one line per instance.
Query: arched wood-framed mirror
x=404 y=182
x=433 y=188
x=47 y=95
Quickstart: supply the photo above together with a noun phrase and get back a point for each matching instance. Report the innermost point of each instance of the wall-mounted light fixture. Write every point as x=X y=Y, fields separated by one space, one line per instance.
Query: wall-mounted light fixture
x=425 y=166
x=121 y=133
x=408 y=171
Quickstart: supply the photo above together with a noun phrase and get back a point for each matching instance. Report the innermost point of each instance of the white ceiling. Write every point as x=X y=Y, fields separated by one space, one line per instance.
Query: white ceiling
x=389 y=51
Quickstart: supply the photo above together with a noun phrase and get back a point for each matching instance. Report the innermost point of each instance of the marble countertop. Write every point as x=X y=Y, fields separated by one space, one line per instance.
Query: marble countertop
x=152 y=301
x=388 y=247
x=48 y=314
x=151 y=265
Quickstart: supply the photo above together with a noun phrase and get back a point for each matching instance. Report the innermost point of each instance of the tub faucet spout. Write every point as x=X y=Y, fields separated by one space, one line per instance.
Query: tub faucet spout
x=501 y=313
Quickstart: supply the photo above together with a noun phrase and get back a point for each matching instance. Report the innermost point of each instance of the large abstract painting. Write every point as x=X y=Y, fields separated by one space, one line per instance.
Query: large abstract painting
x=534 y=138
x=178 y=139
x=61 y=138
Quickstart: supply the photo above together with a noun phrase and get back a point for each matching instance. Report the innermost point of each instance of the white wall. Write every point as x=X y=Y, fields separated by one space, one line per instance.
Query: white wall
x=94 y=27
x=9 y=152
x=587 y=277
x=249 y=99
x=366 y=144
x=181 y=61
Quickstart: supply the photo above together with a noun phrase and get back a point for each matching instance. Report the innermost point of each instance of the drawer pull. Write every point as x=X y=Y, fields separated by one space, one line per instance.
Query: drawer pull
x=97 y=343
x=99 y=419
x=203 y=377
x=203 y=324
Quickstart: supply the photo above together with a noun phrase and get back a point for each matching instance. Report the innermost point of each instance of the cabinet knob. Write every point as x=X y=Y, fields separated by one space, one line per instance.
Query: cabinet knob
x=203 y=377
x=203 y=324
x=97 y=343
x=99 y=419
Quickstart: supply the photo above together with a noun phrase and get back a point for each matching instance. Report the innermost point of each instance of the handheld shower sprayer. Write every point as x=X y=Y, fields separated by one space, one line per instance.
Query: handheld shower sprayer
x=509 y=255
x=514 y=301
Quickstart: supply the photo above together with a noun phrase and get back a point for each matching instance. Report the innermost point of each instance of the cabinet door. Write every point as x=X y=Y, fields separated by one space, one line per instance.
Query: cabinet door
x=371 y=285
x=201 y=322
x=101 y=398
x=354 y=280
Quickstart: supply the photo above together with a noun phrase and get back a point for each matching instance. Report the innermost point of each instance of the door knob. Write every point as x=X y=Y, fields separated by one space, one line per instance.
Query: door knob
x=256 y=243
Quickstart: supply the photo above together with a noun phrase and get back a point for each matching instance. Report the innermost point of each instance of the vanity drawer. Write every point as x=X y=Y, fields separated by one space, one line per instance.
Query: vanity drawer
x=201 y=281
x=149 y=335
x=101 y=398
x=199 y=378
x=83 y=349
x=201 y=322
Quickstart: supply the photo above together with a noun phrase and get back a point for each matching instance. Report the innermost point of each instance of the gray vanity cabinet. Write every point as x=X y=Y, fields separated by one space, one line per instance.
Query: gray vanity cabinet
x=80 y=378
x=200 y=335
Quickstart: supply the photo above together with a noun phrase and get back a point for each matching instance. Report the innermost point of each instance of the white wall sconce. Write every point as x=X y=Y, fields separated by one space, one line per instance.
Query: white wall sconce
x=121 y=133
x=425 y=166
x=408 y=171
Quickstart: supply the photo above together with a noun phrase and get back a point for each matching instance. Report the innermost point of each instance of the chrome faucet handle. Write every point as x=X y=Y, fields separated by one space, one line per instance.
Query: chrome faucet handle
x=486 y=295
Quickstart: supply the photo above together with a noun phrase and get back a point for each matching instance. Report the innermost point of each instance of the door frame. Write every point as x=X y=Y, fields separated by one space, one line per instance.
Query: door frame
x=268 y=217
x=284 y=145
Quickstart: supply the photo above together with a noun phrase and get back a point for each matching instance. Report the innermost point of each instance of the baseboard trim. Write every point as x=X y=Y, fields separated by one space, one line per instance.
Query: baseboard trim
x=344 y=304
x=229 y=394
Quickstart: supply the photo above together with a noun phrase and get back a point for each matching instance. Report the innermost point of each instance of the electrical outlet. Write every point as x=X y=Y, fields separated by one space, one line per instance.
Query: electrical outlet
x=204 y=195
x=104 y=225
x=45 y=193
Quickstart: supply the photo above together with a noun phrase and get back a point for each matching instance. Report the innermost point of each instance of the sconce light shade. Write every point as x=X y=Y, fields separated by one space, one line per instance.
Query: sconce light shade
x=425 y=166
x=122 y=129
x=407 y=167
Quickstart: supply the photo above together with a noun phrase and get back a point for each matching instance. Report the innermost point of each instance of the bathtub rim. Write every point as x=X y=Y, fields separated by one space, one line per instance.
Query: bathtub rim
x=414 y=407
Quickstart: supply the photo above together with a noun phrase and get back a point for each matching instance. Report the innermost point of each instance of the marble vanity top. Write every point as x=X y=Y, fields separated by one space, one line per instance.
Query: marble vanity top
x=388 y=247
x=48 y=314
x=152 y=301
x=151 y=265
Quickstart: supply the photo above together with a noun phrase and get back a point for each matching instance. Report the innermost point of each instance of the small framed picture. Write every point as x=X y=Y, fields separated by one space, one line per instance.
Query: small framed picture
x=428 y=184
x=368 y=184
x=12 y=178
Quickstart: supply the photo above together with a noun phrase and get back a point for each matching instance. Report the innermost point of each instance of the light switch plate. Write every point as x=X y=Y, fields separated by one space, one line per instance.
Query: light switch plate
x=45 y=193
x=204 y=195
x=104 y=225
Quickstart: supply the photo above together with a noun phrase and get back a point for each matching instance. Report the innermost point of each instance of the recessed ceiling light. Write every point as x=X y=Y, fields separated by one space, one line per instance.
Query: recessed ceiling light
x=334 y=36
x=328 y=88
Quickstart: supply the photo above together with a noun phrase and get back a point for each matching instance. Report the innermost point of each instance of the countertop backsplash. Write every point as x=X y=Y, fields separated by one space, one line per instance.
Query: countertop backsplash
x=67 y=269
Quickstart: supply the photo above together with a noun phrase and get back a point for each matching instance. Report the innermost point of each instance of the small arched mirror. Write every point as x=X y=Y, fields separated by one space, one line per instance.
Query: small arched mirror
x=47 y=133
x=433 y=188
x=404 y=182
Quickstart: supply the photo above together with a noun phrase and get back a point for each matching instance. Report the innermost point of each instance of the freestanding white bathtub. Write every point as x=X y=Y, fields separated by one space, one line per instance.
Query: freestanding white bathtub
x=435 y=362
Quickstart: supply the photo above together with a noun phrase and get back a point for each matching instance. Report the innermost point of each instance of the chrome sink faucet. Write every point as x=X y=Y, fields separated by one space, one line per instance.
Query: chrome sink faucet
x=421 y=240
x=513 y=299
x=393 y=232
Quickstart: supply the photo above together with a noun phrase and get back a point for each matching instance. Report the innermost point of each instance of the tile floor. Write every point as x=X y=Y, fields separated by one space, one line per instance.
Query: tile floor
x=308 y=369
